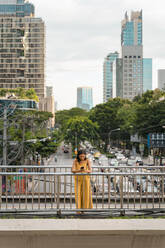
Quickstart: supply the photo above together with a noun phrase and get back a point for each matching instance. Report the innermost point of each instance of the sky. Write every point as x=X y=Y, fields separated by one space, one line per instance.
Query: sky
x=81 y=33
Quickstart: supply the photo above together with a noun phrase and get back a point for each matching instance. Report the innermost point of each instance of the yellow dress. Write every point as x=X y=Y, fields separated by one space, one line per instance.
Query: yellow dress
x=83 y=193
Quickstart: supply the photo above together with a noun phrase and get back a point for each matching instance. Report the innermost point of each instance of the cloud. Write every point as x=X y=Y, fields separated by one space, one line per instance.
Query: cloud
x=80 y=33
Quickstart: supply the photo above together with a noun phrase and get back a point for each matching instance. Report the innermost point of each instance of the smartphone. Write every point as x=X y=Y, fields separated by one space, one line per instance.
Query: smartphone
x=82 y=167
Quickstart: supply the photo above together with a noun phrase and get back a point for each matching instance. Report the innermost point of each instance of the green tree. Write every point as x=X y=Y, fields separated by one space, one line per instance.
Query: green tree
x=80 y=129
x=64 y=115
x=106 y=116
x=30 y=125
x=126 y=116
x=150 y=117
x=149 y=96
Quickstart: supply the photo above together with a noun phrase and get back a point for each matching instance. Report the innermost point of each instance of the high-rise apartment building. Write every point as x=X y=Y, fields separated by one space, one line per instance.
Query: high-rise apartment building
x=161 y=79
x=147 y=74
x=85 y=98
x=132 y=55
x=49 y=91
x=108 y=76
x=22 y=47
x=47 y=104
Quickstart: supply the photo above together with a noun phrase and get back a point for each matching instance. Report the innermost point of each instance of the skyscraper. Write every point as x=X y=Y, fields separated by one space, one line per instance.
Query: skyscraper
x=117 y=87
x=132 y=55
x=130 y=75
x=161 y=79
x=84 y=98
x=147 y=74
x=22 y=47
x=49 y=91
x=108 y=75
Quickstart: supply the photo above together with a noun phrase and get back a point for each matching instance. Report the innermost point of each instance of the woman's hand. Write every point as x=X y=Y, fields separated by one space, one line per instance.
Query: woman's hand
x=89 y=170
x=78 y=171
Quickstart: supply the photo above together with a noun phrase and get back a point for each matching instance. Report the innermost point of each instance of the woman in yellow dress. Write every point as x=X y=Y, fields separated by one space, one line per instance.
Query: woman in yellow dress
x=83 y=193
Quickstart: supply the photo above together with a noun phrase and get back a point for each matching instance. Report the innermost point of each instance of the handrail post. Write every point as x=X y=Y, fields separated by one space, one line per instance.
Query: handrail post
x=121 y=192
x=58 y=192
x=122 y=212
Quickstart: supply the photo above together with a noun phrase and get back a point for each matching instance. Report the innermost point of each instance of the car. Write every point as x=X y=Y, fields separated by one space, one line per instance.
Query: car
x=120 y=156
x=99 y=162
x=139 y=163
x=132 y=157
x=131 y=162
x=97 y=155
x=112 y=150
x=139 y=159
x=113 y=162
x=66 y=148
x=122 y=162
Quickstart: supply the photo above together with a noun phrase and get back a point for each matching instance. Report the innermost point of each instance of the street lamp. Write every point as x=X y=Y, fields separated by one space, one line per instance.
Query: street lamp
x=109 y=134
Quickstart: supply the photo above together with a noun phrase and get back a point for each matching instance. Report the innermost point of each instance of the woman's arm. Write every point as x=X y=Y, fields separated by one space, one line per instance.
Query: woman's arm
x=74 y=168
x=89 y=170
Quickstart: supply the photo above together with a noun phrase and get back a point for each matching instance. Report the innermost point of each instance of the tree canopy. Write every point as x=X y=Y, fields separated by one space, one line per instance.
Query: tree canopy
x=20 y=93
x=80 y=129
x=64 y=115
x=143 y=115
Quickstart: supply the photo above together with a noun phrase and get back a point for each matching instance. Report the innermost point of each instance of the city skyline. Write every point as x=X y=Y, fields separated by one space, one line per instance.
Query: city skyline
x=76 y=48
x=130 y=75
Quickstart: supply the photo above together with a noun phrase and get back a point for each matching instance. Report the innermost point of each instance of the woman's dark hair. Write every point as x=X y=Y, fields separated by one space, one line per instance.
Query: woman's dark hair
x=79 y=153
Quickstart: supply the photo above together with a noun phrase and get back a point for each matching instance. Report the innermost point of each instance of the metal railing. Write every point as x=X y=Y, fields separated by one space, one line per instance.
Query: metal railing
x=40 y=188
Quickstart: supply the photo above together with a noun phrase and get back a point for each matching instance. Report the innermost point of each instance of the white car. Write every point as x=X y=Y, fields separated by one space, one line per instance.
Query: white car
x=120 y=156
x=131 y=162
x=114 y=162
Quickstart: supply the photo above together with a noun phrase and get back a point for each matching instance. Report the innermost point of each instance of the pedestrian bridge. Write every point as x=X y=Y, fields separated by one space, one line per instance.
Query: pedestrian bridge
x=50 y=190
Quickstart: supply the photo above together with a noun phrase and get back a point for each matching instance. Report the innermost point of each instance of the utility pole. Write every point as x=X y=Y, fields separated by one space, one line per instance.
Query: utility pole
x=5 y=136
x=23 y=141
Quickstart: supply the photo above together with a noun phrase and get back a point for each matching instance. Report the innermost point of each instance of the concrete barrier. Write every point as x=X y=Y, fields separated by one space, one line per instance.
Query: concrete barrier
x=77 y=233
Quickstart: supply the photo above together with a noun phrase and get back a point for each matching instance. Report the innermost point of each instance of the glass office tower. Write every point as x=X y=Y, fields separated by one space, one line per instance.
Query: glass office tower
x=147 y=74
x=85 y=98
x=22 y=47
x=108 y=76
x=19 y=8
x=117 y=78
x=132 y=55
